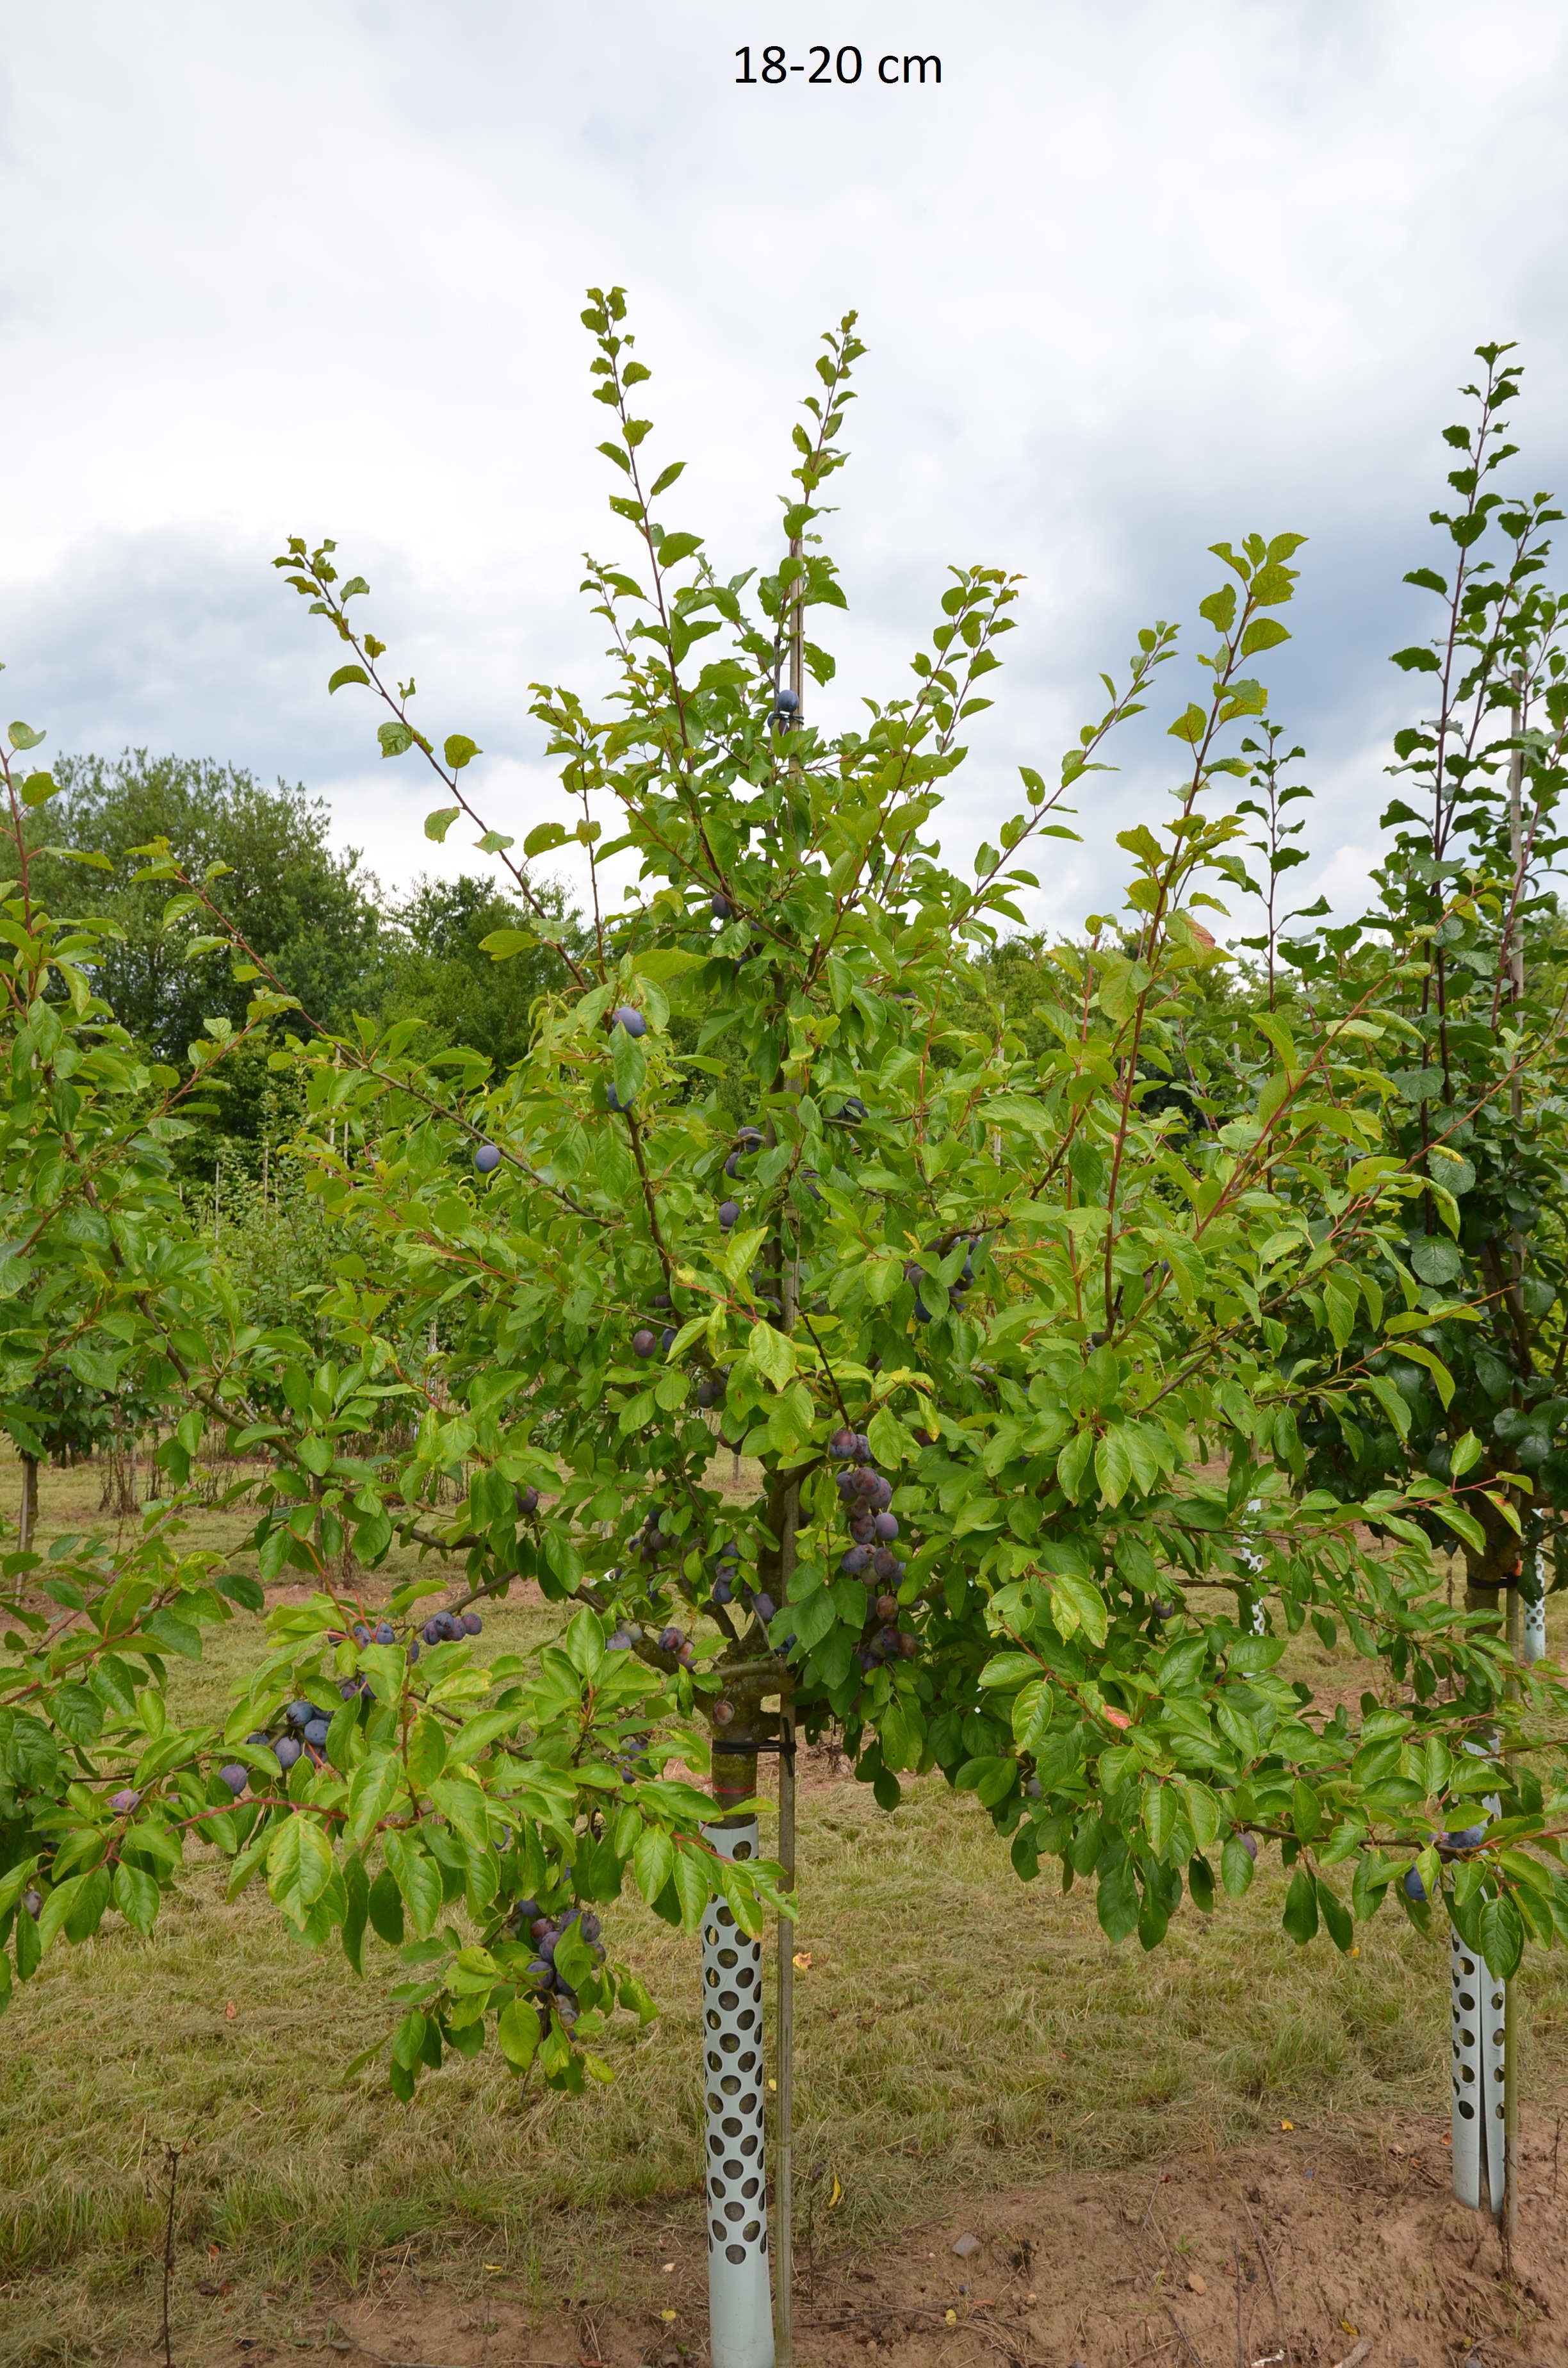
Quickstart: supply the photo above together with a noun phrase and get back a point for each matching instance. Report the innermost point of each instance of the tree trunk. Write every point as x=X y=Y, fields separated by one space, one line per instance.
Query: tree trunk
x=118 y=1495
x=27 y=1526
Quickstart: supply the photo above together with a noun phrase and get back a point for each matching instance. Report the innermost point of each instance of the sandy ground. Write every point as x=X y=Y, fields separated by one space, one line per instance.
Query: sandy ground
x=1297 y=2253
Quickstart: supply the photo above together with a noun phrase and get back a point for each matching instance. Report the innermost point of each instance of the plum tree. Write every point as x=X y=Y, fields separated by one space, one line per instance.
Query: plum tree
x=1018 y=1299
x=113 y=1293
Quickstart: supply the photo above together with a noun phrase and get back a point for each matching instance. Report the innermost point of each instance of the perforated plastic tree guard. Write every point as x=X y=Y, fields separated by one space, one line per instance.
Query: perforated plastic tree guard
x=1532 y=1635
x=1479 y=2029
x=740 y=2290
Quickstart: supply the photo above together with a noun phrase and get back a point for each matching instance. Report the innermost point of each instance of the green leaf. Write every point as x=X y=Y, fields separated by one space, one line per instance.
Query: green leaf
x=315 y=1861
x=1300 y=1916
x=502 y=944
x=426 y=1752
x=1072 y=1463
x=889 y=1441
x=460 y=1799
x=1391 y=1401
x=22 y=735
x=419 y=1878
x=176 y=1635
x=1437 y=1261
x=543 y=836
x=38 y=788
x=408 y=2041
x=518 y=2030
x=357 y=1900
x=1161 y=1806
x=1336 y=1915
x=438 y=824
x=1502 y=1938
x=1009 y=1670
x=661 y=964
x=385 y=1905
x=396 y=738
x=1113 y=1466
x=1117 y=1902
x=693 y=1887
x=374 y=1788
x=772 y=1352
x=1076 y=1603
x=348 y=674
x=653 y=1861
x=1236 y=1867
x=136 y=1894
x=458 y=750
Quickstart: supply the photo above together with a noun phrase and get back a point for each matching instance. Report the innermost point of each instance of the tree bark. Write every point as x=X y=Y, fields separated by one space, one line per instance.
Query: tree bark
x=27 y=1526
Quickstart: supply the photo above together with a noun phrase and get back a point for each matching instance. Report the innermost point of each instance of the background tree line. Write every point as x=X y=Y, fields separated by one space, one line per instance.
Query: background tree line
x=333 y=933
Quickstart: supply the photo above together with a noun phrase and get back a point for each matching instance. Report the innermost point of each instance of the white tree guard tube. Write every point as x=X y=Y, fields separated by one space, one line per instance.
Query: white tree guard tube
x=1533 y=1643
x=740 y=2291
x=1479 y=2030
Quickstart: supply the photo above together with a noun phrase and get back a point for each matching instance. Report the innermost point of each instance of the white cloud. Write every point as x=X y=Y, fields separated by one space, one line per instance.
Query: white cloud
x=1133 y=278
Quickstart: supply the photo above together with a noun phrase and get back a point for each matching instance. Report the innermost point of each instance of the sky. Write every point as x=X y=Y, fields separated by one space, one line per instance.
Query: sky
x=1134 y=277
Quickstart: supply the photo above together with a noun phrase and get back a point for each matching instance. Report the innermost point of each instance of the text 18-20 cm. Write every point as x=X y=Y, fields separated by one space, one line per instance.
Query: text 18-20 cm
x=845 y=65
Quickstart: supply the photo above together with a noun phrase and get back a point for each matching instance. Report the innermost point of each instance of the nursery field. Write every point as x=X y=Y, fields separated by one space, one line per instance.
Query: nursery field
x=1227 y=2148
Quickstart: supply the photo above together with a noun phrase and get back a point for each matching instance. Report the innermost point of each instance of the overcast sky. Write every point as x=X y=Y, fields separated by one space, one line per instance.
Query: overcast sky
x=1134 y=277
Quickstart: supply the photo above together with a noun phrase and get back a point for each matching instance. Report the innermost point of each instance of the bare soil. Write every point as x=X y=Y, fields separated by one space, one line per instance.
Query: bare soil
x=1314 y=2249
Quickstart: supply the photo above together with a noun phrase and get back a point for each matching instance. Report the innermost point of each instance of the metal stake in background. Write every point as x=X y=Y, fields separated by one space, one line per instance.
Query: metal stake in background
x=1510 y=2213
x=1532 y=1642
x=798 y=636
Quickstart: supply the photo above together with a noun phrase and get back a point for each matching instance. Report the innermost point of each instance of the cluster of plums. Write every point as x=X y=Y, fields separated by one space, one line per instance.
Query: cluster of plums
x=650 y=1544
x=648 y=1342
x=749 y=1140
x=956 y=1289
x=546 y=1932
x=730 y=1588
x=304 y=1730
x=303 y=1735
x=1468 y=1838
x=447 y=1627
x=867 y=1497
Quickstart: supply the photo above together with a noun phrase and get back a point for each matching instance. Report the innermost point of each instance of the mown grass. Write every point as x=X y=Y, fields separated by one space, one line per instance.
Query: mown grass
x=957 y=2031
